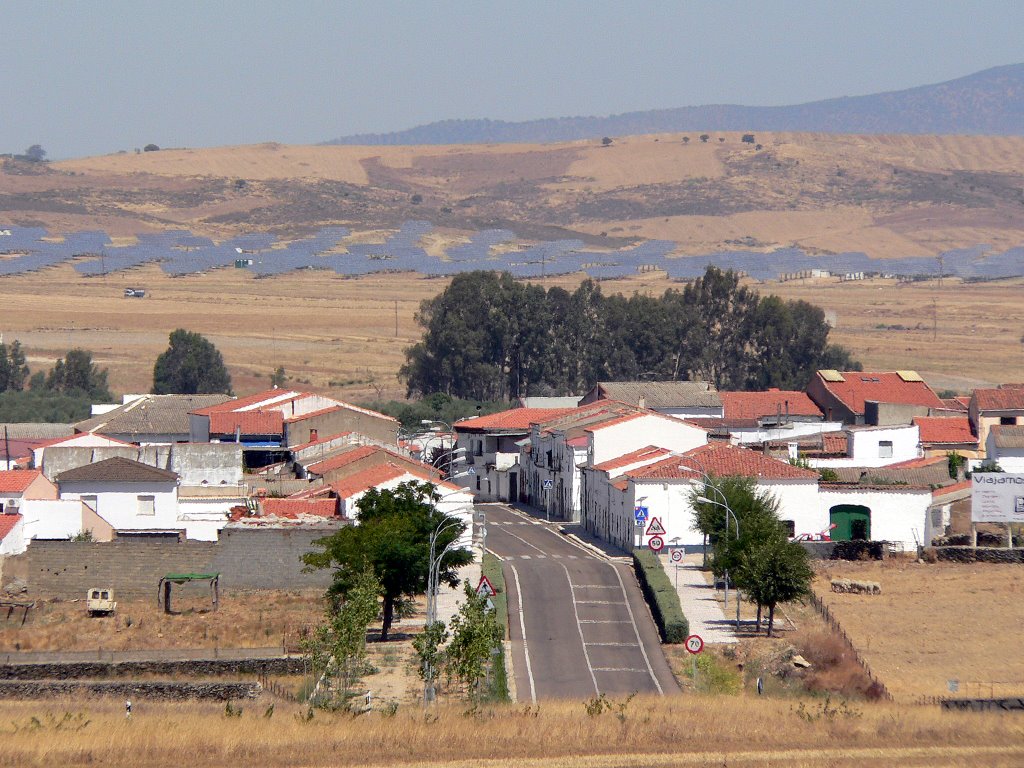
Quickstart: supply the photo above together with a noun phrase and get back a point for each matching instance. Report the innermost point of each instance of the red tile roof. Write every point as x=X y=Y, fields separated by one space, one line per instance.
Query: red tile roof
x=17 y=480
x=723 y=459
x=937 y=429
x=249 y=422
x=1008 y=397
x=958 y=403
x=7 y=523
x=295 y=507
x=516 y=419
x=343 y=459
x=368 y=478
x=319 y=440
x=648 y=453
x=889 y=387
x=755 y=405
x=248 y=400
x=950 y=489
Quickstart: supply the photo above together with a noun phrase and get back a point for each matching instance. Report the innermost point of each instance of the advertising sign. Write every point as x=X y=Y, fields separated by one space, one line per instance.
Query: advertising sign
x=997 y=497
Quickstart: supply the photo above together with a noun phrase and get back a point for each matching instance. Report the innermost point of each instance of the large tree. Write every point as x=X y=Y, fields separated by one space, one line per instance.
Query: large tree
x=76 y=373
x=488 y=336
x=13 y=369
x=191 y=365
x=775 y=571
x=392 y=539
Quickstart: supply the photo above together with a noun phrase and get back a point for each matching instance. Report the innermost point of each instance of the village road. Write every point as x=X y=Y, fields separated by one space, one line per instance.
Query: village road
x=578 y=622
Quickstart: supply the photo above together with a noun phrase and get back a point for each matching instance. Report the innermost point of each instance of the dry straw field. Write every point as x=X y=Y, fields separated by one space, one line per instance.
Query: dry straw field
x=935 y=623
x=685 y=730
x=339 y=335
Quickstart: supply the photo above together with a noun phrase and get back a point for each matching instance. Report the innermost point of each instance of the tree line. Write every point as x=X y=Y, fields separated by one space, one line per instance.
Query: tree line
x=491 y=337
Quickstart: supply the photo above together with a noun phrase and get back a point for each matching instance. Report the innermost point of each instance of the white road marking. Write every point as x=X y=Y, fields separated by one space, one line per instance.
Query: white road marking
x=579 y=626
x=636 y=630
x=597 y=602
x=524 y=557
x=618 y=669
x=616 y=645
x=522 y=629
x=603 y=621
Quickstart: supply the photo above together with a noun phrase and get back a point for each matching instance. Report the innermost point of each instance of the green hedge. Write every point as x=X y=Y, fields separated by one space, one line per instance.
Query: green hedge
x=661 y=596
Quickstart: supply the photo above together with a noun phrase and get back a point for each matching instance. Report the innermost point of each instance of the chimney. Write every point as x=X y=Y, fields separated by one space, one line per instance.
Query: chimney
x=642 y=402
x=313 y=436
x=793 y=452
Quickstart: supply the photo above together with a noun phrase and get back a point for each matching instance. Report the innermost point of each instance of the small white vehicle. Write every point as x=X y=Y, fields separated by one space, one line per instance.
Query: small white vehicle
x=100 y=602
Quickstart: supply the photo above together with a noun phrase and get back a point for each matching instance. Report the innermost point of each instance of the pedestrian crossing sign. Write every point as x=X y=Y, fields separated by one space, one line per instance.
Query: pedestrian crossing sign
x=656 y=528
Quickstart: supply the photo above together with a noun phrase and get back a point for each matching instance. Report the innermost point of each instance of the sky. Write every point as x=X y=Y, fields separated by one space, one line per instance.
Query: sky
x=94 y=77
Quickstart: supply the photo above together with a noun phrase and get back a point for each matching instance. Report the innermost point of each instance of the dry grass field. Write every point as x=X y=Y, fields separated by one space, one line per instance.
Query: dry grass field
x=244 y=620
x=935 y=623
x=338 y=335
x=686 y=730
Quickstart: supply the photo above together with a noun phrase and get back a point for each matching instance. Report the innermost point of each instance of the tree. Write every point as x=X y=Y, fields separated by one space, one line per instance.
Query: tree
x=776 y=571
x=35 y=154
x=14 y=371
x=392 y=538
x=476 y=632
x=606 y=141
x=686 y=139
x=337 y=648
x=191 y=365
x=76 y=373
x=278 y=377
x=748 y=138
x=151 y=148
x=704 y=138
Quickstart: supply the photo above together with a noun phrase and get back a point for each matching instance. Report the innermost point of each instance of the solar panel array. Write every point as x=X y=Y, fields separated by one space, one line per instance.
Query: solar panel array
x=25 y=249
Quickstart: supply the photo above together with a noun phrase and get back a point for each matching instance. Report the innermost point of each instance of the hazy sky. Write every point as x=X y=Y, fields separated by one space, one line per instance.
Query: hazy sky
x=94 y=77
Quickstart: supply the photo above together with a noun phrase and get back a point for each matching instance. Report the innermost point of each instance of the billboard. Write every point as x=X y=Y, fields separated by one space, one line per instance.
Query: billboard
x=997 y=497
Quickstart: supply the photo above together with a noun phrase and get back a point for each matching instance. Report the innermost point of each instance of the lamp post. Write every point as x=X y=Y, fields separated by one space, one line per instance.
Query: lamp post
x=434 y=425
x=433 y=582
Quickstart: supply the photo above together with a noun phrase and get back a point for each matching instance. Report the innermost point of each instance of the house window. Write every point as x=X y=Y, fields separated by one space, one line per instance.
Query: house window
x=885 y=449
x=91 y=502
x=550 y=461
x=1007 y=421
x=478 y=482
x=147 y=505
x=479 y=448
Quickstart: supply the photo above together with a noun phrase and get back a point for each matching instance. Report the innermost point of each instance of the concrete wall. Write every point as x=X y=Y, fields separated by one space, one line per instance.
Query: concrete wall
x=899 y=516
x=246 y=559
x=214 y=463
x=343 y=420
x=118 y=503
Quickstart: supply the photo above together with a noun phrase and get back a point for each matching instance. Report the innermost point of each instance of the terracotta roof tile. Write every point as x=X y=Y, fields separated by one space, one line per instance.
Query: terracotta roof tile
x=368 y=478
x=249 y=422
x=319 y=440
x=17 y=480
x=234 y=404
x=516 y=419
x=938 y=429
x=296 y=507
x=7 y=523
x=342 y=459
x=724 y=459
x=963 y=485
x=1008 y=397
x=757 y=405
x=648 y=453
x=858 y=387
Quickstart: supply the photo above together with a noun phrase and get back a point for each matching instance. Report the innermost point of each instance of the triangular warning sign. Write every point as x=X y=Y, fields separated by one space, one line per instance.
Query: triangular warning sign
x=655 y=528
x=484 y=588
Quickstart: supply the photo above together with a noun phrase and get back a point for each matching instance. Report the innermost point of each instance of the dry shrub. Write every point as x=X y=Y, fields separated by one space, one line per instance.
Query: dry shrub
x=834 y=668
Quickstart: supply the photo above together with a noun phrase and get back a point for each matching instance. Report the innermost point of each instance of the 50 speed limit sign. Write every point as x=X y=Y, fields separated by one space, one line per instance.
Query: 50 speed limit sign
x=694 y=644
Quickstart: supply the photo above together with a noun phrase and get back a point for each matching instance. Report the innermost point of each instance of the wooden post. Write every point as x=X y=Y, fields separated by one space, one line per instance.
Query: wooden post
x=974 y=534
x=167 y=597
x=1009 y=537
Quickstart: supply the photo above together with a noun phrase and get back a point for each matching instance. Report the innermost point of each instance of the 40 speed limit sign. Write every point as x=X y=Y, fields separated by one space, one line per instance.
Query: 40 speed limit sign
x=694 y=644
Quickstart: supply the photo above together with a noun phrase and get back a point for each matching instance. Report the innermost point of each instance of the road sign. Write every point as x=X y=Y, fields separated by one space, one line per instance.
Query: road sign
x=548 y=485
x=484 y=588
x=471 y=471
x=640 y=514
x=656 y=543
x=694 y=644
x=677 y=555
x=656 y=528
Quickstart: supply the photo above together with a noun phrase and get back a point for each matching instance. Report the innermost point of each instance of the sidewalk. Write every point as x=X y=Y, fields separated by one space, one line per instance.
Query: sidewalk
x=698 y=600
x=449 y=599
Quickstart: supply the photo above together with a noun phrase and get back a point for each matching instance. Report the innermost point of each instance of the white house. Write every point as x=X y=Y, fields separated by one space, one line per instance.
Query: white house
x=489 y=447
x=868 y=446
x=663 y=485
x=1004 y=446
x=593 y=434
x=12 y=534
x=773 y=415
x=895 y=513
x=129 y=495
x=63 y=519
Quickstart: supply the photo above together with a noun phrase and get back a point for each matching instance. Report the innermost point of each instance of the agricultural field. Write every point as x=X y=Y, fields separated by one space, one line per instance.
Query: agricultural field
x=338 y=335
x=934 y=623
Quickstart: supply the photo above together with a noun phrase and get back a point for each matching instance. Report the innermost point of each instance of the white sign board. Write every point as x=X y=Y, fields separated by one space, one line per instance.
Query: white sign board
x=997 y=497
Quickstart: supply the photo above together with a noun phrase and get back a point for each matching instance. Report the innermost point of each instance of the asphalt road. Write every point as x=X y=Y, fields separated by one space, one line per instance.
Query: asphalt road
x=579 y=624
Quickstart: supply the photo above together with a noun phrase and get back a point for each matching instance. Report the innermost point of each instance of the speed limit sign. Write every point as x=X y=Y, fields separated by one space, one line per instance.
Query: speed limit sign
x=694 y=644
x=677 y=555
x=656 y=543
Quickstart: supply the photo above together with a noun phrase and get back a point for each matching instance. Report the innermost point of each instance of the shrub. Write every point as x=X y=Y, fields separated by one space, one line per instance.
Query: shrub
x=661 y=596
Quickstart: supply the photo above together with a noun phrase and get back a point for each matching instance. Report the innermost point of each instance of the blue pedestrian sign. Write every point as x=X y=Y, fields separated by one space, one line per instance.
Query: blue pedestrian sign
x=640 y=514
x=547 y=485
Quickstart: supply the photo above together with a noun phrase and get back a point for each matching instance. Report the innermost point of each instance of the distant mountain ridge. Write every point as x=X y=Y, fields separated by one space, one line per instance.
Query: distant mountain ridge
x=988 y=102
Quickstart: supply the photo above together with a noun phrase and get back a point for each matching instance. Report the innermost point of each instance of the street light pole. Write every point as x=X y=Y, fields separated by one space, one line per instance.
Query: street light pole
x=433 y=583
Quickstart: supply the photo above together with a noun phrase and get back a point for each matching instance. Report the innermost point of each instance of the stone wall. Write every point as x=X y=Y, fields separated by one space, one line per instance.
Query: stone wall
x=281 y=665
x=246 y=559
x=975 y=555
x=47 y=689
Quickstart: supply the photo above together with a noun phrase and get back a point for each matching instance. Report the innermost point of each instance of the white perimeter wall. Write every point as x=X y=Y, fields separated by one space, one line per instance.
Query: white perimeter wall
x=895 y=515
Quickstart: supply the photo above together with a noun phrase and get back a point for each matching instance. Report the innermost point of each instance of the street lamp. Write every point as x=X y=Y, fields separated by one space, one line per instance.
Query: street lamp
x=433 y=583
x=434 y=425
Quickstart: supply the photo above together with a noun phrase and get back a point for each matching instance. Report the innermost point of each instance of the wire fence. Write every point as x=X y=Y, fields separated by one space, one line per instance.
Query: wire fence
x=833 y=622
